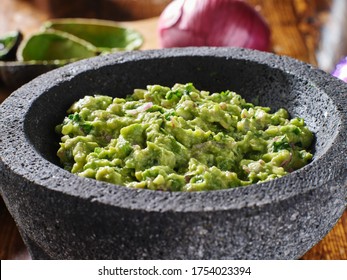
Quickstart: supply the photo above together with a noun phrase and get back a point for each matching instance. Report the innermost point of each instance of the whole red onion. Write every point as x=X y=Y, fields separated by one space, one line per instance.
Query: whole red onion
x=212 y=23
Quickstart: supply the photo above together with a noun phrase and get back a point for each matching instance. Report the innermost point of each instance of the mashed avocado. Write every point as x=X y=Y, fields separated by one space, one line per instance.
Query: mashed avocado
x=181 y=139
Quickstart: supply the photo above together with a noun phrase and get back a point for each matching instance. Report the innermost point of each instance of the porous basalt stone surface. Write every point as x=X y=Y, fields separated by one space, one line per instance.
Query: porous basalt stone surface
x=63 y=216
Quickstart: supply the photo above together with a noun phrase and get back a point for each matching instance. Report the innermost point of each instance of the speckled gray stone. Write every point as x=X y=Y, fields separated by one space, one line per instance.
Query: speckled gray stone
x=63 y=216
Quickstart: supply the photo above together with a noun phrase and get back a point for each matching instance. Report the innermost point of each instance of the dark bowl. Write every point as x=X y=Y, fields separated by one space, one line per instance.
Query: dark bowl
x=63 y=216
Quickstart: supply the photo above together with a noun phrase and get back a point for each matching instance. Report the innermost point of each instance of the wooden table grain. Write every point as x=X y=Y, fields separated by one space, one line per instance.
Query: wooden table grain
x=297 y=31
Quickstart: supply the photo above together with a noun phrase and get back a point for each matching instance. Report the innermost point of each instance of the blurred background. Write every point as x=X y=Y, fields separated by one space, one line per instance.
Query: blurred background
x=119 y=10
x=309 y=30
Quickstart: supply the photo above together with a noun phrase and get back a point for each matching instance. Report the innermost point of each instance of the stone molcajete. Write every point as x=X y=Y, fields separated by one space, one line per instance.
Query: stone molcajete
x=63 y=216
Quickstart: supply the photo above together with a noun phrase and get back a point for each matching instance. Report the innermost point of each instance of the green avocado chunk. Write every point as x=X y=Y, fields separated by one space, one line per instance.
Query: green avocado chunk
x=181 y=139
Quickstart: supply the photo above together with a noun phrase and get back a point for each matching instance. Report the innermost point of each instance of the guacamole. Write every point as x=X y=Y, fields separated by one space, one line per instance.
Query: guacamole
x=181 y=139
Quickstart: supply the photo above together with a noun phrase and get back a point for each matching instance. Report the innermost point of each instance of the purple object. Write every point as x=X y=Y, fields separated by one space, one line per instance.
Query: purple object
x=341 y=70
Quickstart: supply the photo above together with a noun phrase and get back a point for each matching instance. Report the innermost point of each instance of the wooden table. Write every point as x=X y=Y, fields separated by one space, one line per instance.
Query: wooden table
x=296 y=31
